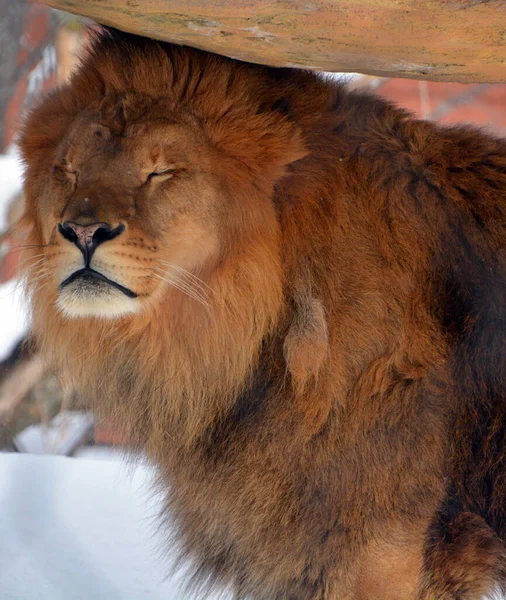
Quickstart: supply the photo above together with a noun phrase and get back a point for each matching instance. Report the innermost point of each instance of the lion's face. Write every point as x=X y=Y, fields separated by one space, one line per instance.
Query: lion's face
x=128 y=214
x=149 y=189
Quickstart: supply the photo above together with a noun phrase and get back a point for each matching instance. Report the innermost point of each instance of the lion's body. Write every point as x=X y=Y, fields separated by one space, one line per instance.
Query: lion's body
x=331 y=421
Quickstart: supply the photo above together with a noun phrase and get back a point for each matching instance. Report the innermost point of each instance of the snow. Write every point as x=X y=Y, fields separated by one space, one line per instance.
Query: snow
x=340 y=77
x=99 y=452
x=11 y=174
x=14 y=319
x=77 y=529
x=13 y=313
x=61 y=435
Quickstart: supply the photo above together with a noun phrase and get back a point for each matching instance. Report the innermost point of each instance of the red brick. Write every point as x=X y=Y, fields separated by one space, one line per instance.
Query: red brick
x=468 y=113
x=36 y=30
x=444 y=92
x=479 y=104
x=404 y=92
x=495 y=97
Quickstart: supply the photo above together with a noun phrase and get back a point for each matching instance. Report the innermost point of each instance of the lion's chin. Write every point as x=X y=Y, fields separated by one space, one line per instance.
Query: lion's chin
x=105 y=303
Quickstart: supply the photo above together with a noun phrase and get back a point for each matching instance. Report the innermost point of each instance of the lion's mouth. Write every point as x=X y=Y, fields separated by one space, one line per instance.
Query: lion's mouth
x=90 y=276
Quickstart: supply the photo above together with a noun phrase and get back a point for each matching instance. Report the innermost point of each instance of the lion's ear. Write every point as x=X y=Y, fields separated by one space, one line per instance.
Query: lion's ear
x=288 y=131
x=264 y=142
x=113 y=112
x=277 y=152
x=117 y=110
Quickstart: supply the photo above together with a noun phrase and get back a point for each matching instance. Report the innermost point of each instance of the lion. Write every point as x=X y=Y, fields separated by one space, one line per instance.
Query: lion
x=292 y=297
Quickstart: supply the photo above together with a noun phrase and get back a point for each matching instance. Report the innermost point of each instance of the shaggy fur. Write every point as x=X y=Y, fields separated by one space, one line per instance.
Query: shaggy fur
x=315 y=358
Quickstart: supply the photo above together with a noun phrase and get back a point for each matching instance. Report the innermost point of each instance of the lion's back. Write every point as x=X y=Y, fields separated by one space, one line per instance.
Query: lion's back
x=432 y=206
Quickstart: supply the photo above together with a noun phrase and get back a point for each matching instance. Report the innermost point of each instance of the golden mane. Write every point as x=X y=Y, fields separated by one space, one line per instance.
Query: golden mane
x=330 y=420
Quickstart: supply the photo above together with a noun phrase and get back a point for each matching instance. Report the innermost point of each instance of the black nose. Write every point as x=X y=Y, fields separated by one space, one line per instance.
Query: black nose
x=88 y=237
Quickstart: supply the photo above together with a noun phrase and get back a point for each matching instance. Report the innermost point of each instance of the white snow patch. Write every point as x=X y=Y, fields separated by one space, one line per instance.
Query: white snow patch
x=14 y=319
x=100 y=452
x=11 y=181
x=60 y=436
x=13 y=312
x=340 y=77
x=494 y=594
x=76 y=529
x=43 y=71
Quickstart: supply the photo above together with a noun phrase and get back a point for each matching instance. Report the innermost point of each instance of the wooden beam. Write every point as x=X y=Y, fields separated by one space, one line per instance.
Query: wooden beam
x=443 y=40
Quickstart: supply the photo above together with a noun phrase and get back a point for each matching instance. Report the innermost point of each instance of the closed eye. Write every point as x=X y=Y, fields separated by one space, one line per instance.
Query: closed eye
x=63 y=165
x=63 y=171
x=160 y=176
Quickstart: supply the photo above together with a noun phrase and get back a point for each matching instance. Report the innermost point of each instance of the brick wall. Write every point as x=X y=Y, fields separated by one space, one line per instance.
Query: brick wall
x=28 y=68
x=480 y=104
x=28 y=61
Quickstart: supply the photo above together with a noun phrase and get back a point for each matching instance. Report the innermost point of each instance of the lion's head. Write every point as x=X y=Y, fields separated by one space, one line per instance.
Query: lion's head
x=150 y=217
x=142 y=181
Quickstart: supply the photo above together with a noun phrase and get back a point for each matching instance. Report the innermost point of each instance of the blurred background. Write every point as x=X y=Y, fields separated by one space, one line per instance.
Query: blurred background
x=39 y=48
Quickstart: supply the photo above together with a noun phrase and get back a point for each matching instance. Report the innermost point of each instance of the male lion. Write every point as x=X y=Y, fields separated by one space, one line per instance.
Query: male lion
x=293 y=297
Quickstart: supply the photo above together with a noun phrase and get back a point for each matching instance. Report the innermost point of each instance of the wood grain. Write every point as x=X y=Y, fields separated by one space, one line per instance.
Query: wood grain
x=442 y=40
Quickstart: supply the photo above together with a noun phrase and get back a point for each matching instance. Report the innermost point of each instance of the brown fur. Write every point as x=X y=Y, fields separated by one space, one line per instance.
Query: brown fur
x=329 y=409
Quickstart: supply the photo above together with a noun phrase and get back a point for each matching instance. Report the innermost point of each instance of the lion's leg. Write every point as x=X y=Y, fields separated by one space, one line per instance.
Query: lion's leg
x=467 y=562
x=392 y=566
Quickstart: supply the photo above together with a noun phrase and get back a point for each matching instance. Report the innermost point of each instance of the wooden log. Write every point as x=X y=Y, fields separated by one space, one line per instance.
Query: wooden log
x=442 y=40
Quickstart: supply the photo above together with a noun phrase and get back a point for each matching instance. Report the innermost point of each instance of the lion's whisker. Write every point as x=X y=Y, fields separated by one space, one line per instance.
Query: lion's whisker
x=28 y=258
x=189 y=284
x=15 y=249
x=30 y=266
x=188 y=291
x=194 y=285
x=34 y=280
x=187 y=273
x=182 y=274
x=41 y=287
x=181 y=286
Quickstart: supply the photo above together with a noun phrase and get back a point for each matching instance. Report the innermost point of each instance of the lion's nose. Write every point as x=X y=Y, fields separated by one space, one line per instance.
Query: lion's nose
x=88 y=237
